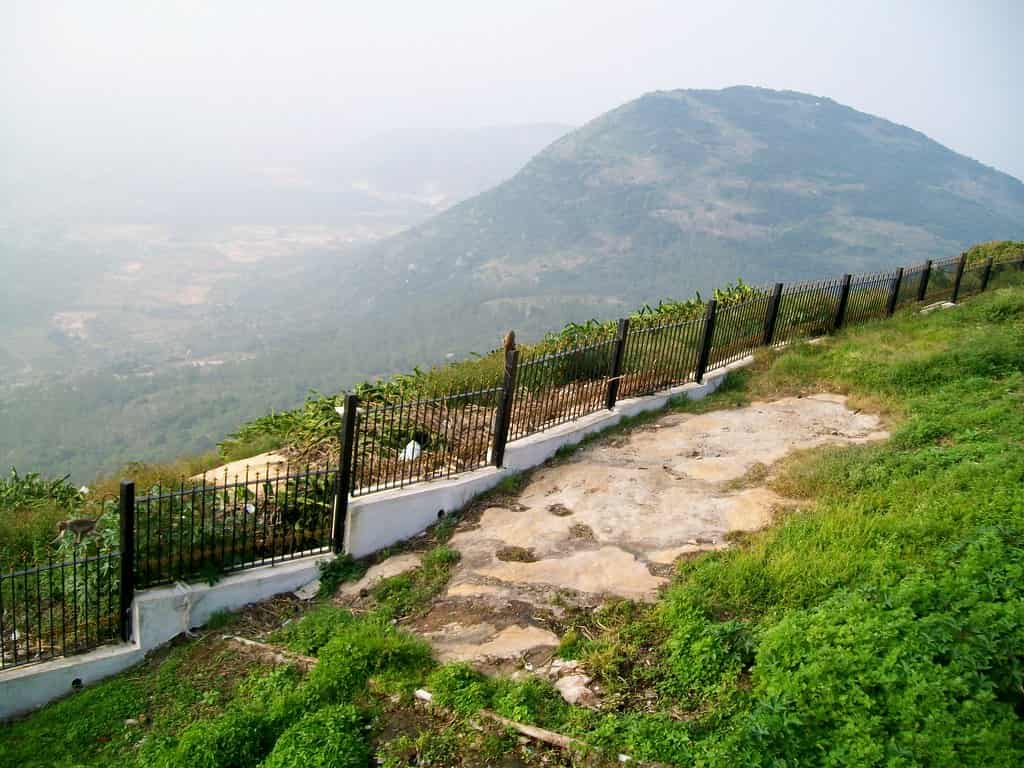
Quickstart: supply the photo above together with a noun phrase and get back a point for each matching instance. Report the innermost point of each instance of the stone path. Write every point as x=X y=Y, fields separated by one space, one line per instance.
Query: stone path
x=612 y=521
x=614 y=518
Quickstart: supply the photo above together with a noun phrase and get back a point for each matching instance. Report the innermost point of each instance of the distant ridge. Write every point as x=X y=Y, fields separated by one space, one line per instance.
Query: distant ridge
x=684 y=190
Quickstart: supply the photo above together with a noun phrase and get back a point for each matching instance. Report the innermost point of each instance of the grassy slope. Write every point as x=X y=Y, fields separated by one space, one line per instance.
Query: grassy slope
x=883 y=624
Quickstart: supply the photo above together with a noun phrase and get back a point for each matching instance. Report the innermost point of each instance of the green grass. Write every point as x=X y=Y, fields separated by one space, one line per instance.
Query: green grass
x=880 y=624
x=176 y=687
x=405 y=593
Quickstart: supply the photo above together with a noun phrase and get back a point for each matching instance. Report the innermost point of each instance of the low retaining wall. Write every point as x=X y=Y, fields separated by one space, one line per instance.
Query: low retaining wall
x=158 y=615
x=23 y=689
x=374 y=522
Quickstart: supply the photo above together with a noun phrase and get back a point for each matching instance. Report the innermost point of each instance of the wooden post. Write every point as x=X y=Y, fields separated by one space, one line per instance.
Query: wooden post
x=894 y=293
x=986 y=274
x=618 y=355
x=126 y=508
x=959 y=276
x=844 y=298
x=772 y=315
x=503 y=418
x=350 y=413
x=923 y=287
x=705 y=342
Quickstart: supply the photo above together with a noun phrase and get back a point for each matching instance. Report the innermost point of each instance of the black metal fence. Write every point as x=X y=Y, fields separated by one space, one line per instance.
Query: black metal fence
x=59 y=608
x=553 y=388
x=869 y=296
x=941 y=279
x=206 y=527
x=806 y=310
x=203 y=528
x=659 y=356
x=1007 y=273
x=398 y=444
x=739 y=330
x=909 y=289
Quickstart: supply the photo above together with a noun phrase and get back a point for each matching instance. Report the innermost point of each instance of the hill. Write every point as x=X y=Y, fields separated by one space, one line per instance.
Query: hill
x=683 y=190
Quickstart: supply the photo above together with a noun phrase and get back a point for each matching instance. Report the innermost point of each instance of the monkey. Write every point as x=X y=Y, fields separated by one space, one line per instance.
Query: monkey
x=510 y=341
x=79 y=528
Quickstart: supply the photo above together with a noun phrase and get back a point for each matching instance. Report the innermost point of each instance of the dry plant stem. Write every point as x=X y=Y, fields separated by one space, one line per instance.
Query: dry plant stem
x=538 y=734
x=275 y=654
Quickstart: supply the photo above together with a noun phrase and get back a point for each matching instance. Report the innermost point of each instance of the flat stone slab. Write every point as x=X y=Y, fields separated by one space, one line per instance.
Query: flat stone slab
x=608 y=570
x=482 y=641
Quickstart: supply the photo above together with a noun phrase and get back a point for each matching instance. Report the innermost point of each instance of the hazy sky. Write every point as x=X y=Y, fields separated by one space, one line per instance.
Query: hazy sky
x=176 y=82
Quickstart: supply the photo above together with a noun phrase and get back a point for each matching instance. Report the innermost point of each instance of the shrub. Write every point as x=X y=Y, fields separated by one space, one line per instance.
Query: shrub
x=529 y=701
x=702 y=654
x=236 y=739
x=30 y=508
x=361 y=650
x=998 y=250
x=928 y=671
x=465 y=690
x=313 y=630
x=647 y=737
x=244 y=733
x=328 y=738
x=461 y=688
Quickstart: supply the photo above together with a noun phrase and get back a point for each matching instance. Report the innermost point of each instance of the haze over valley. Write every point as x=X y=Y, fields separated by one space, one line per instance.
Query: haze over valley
x=161 y=334
x=201 y=234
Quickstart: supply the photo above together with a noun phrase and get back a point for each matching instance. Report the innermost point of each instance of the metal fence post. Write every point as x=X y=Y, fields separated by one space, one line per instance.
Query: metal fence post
x=844 y=298
x=986 y=274
x=959 y=277
x=923 y=287
x=348 y=431
x=705 y=342
x=772 y=315
x=618 y=355
x=126 y=507
x=894 y=293
x=503 y=418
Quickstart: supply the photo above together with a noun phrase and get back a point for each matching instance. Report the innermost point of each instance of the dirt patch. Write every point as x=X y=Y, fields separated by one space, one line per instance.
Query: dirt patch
x=270 y=464
x=515 y=555
x=487 y=627
x=258 y=620
x=581 y=531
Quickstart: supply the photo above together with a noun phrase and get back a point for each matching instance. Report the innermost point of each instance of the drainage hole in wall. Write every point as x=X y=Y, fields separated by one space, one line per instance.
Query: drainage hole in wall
x=76 y=684
x=440 y=514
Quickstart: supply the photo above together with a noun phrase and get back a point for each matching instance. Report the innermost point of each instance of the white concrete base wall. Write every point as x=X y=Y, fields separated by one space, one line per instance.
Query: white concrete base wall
x=158 y=615
x=23 y=689
x=382 y=519
x=374 y=522
x=162 y=613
